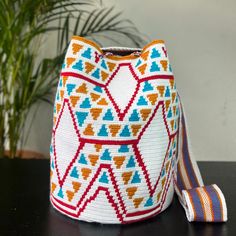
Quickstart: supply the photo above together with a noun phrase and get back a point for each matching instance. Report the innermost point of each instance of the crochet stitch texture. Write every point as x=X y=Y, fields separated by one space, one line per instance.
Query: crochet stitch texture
x=119 y=147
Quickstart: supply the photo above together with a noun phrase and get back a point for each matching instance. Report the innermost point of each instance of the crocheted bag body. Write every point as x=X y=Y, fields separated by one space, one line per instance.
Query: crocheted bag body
x=117 y=153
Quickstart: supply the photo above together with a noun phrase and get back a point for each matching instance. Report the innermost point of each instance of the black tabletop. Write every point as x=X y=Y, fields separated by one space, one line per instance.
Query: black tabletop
x=25 y=207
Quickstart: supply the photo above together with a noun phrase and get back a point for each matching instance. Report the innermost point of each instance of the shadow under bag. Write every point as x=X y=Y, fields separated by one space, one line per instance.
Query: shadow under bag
x=119 y=148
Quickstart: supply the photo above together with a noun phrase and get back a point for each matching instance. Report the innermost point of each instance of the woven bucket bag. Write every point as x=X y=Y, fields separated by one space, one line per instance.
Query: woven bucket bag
x=119 y=148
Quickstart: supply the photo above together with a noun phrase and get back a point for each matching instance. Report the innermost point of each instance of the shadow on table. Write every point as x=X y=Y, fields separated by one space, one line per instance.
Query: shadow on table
x=170 y=222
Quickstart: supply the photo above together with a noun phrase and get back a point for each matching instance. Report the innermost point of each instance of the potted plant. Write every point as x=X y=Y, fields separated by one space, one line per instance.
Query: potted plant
x=23 y=81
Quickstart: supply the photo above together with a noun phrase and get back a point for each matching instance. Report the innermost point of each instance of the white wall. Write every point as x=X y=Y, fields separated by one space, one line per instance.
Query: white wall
x=201 y=39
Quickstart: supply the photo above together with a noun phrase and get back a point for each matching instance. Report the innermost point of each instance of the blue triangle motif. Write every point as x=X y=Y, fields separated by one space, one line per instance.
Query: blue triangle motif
x=85 y=103
x=149 y=202
x=51 y=148
x=142 y=101
x=98 y=89
x=167 y=93
x=52 y=165
x=147 y=86
x=170 y=154
x=155 y=53
x=163 y=172
x=58 y=95
x=63 y=66
x=87 y=53
x=74 y=173
x=60 y=83
x=70 y=87
x=108 y=115
x=138 y=63
x=123 y=148
x=169 y=115
x=134 y=116
x=103 y=131
x=170 y=68
x=154 y=67
x=96 y=73
x=103 y=64
x=125 y=132
x=176 y=99
x=136 y=178
x=82 y=159
x=106 y=155
x=81 y=116
x=174 y=145
x=60 y=193
x=104 y=178
x=78 y=65
x=131 y=162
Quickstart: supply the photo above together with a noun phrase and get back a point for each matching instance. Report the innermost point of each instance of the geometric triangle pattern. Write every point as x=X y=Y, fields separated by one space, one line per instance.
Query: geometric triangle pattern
x=115 y=130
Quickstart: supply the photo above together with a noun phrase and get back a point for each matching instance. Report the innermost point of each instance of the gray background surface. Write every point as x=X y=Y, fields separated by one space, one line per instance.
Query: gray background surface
x=200 y=37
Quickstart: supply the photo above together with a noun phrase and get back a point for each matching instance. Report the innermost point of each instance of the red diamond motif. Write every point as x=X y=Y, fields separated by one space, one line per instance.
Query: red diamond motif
x=122 y=88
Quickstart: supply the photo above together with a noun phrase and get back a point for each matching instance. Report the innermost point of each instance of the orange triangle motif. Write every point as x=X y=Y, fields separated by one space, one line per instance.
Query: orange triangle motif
x=76 y=186
x=93 y=159
x=53 y=187
x=95 y=112
x=104 y=75
x=173 y=95
x=64 y=79
x=135 y=129
x=54 y=120
x=142 y=68
x=158 y=196
x=69 y=61
x=131 y=191
x=145 y=113
x=62 y=94
x=164 y=64
x=119 y=160
x=163 y=181
x=58 y=107
x=98 y=147
x=167 y=104
x=145 y=55
x=85 y=172
x=172 y=124
x=94 y=96
x=114 y=129
x=172 y=83
x=111 y=65
x=174 y=110
x=161 y=89
x=89 y=130
x=76 y=47
x=126 y=176
x=137 y=201
x=167 y=166
x=152 y=98
x=82 y=89
x=88 y=67
x=74 y=100
x=70 y=195
x=102 y=101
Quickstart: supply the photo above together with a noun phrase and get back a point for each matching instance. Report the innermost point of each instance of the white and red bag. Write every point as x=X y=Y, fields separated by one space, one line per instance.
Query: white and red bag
x=119 y=146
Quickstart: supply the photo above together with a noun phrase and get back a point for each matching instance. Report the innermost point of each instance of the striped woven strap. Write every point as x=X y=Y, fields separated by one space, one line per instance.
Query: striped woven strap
x=201 y=203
